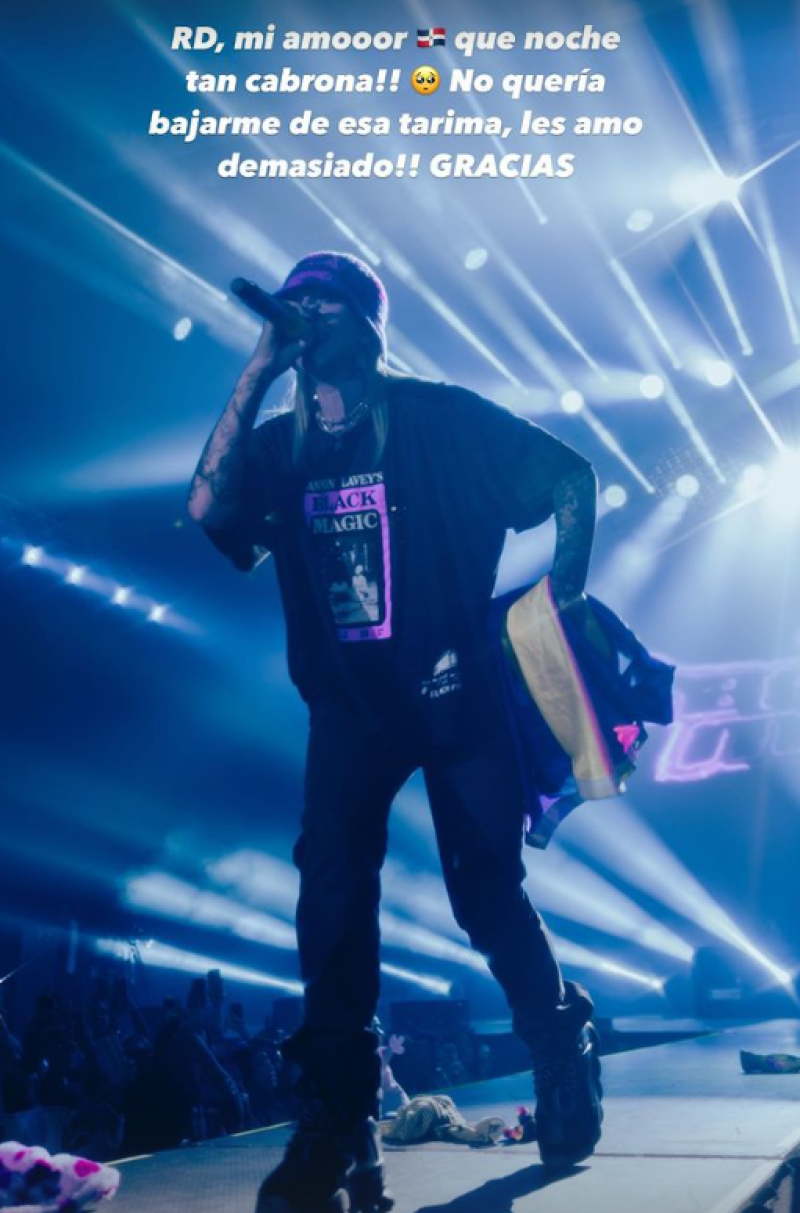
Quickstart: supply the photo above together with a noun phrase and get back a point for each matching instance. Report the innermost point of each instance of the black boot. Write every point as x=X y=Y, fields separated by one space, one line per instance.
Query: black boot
x=312 y=1176
x=569 y=1111
x=566 y=1075
x=335 y=1145
x=366 y=1180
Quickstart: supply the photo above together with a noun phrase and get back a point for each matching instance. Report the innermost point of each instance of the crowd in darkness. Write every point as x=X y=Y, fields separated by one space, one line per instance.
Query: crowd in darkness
x=103 y=1078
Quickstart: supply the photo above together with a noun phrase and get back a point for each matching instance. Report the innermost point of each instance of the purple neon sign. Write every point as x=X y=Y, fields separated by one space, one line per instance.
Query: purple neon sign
x=729 y=717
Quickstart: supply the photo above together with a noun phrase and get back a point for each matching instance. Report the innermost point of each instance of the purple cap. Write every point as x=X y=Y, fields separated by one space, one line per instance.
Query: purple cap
x=351 y=278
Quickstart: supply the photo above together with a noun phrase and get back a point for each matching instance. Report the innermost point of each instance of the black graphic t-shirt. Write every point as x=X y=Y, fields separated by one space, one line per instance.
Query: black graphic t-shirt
x=349 y=521
x=386 y=572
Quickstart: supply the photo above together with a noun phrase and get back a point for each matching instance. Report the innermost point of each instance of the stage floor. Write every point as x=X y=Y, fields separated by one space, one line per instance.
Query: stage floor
x=685 y=1132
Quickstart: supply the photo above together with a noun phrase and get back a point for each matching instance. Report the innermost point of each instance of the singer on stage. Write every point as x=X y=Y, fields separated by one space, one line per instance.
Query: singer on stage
x=385 y=501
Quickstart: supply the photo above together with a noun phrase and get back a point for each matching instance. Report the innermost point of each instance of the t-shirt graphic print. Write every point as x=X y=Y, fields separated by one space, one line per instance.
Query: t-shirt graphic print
x=349 y=522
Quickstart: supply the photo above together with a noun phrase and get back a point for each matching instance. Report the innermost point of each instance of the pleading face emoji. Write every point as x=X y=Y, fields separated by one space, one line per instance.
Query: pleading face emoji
x=425 y=80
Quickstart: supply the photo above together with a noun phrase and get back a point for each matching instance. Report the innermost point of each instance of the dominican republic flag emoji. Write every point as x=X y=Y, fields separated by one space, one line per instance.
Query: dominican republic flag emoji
x=431 y=37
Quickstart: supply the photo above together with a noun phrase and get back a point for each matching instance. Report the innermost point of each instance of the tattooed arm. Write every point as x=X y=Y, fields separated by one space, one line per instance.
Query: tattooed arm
x=574 y=506
x=216 y=495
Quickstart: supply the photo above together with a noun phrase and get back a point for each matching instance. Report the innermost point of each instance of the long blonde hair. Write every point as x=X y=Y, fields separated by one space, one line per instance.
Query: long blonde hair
x=373 y=370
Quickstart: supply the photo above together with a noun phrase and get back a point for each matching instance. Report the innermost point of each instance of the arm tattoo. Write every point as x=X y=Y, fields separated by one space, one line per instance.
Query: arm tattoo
x=220 y=471
x=575 y=503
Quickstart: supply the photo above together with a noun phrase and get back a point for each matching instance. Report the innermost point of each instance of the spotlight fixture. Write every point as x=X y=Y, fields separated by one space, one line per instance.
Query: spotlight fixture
x=157 y=614
x=75 y=574
x=182 y=329
x=687 y=486
x=615 y=496
x=476 y=258
x=31 y=555
x=165 y=956
x=651 y=386
x=639 y=220
x=752 y=480
x=572 y=401
x=717 y=372
x=121 y=595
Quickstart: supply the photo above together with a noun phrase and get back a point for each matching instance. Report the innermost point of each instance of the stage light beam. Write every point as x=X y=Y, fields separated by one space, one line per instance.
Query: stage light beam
x=718 y=278
x=100 y=216
x=608 y=440
x=568 y=887
x=783 y=488
x=707 y=187
x=584 y=958
x=648 y=864
x=165 y=956
x=434 y=985
x=629 y=287
x=171 y=898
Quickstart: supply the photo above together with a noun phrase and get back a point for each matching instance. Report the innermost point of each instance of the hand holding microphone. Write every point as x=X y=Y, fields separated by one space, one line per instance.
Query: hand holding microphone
x=287 y=330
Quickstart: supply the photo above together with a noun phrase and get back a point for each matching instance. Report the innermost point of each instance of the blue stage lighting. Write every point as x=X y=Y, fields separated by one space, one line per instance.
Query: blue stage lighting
x=717 y=372
x=639 y=220
x=651 y=386
x=653 y=983
x=435 y=985
x=121 y=595
x=75 y=574
x=631 y=564
x=264 y=881
x=586 y=958
x=696 y=188
x=156 y=614
x=169 y=897
x=567 y=887
x=727 y=983
x=648 y=863
x=783 y=490
x=164 y=956
x=752 y=481
x=615 y=496
x=260 y=880
x=421 y=941
x=182 y=329
x=32 y=555
x=572 y=401
x=476 y=258
x=687 y=486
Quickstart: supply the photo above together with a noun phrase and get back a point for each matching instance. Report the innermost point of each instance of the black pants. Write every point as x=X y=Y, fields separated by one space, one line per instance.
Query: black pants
x=352 y=777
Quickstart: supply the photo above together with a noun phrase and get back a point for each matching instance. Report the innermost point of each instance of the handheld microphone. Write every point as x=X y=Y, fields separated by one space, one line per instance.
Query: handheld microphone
x=290 y=322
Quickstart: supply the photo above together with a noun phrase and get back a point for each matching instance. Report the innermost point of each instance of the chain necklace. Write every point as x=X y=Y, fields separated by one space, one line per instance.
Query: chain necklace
x=336 y=429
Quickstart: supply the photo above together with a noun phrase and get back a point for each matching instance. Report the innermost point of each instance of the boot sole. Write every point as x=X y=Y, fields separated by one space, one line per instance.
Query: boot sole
x=367 y=1192
x=563 y=1161
x=273 y=1203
